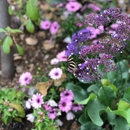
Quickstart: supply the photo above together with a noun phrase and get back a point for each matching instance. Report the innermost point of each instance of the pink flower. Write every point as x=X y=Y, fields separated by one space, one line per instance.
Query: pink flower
x=54 y=61
x=79 y=24
x=94 y=7
x=67 y=94
x=76 y=107
x=73 y=6
x=45 y=24
x=47 y=107
x=52 y=114
x=54 y=27
x=65 y=105
x=37 y=100
x=25 y=78
x=62 y=56
x=55 y=73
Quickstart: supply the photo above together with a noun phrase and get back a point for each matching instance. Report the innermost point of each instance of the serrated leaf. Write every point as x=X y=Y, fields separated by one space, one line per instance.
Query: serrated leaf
x=29 y=26
x=20 y=49
x=94 y=108
x=6 y=44
x=18 y=107
x=32 y=11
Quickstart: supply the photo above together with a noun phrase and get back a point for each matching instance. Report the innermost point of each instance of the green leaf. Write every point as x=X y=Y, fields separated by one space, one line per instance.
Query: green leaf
x=79 y=93
x=6 y=44
x=29 y=26
x=2 y=30
x=94 y=108
x=127 y=95
x=83 y=120
x=8 y=29
x=90 y=126
x=123 y=105
x=106 y=95
x=121 y=124
x=123 y=113
x=90 y=98
x=122 y=69
x=18 y=107
x=105 y=82
x=32 y=11
x=10 y=10
x=20 y=49
x=94 y=88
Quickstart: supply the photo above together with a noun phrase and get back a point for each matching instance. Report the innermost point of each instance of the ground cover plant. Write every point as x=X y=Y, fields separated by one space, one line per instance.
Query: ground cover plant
x=88 y=82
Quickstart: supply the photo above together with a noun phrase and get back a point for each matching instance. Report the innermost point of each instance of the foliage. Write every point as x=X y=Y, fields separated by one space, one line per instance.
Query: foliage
x=11 y=105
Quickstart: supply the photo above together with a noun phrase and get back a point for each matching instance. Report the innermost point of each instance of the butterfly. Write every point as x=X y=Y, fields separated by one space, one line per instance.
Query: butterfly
x=72 y=66
x=42 y=87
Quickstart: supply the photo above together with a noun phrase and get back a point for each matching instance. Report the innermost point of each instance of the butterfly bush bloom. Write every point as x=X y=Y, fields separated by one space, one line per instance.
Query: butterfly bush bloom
x=54 y=27
x=55 y=73
x=37 y=100
x=45 y=24
x=65 y=105
x=73 y=6
x=61 y=56
x=67 y=94
x=25 y=78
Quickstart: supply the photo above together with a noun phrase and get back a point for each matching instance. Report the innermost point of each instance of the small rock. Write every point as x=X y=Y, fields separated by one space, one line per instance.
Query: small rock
x=47 y=45
x=19 y=69
x=41 y=34
x=31 y=41
x=22 y=37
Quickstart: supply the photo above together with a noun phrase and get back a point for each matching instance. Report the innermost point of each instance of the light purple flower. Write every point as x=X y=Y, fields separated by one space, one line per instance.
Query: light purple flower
x=59 y=122
x=45 y=24
x=37 y=100
x=30 y=117
x=77 y=107
x=70 y=116
x=55 y=73
x=27 y=104
x=94 y=7
x=54 y=27
x=52 y=114
x=54 y=61
x=73 y=6
x=67 y=40
x=52 y=103
x=25 y=78
x=67 y=94
x=65 y=105
x=62 y=56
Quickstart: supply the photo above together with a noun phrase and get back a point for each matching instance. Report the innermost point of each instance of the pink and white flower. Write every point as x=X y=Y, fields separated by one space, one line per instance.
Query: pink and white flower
x=55 y=73
x=54 y=27
x=25 y=78
x=73 y=6
x=37 y=100
x=54 y=61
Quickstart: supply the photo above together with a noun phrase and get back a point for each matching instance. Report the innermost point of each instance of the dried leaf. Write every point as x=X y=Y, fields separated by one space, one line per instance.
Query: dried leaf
x=42 y=87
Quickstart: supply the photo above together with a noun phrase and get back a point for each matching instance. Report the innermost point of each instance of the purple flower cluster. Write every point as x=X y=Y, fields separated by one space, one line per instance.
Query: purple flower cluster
x=110 y=42
x=77 y=39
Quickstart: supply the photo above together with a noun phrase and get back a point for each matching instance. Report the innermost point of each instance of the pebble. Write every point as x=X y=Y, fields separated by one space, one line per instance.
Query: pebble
x=31 y=41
